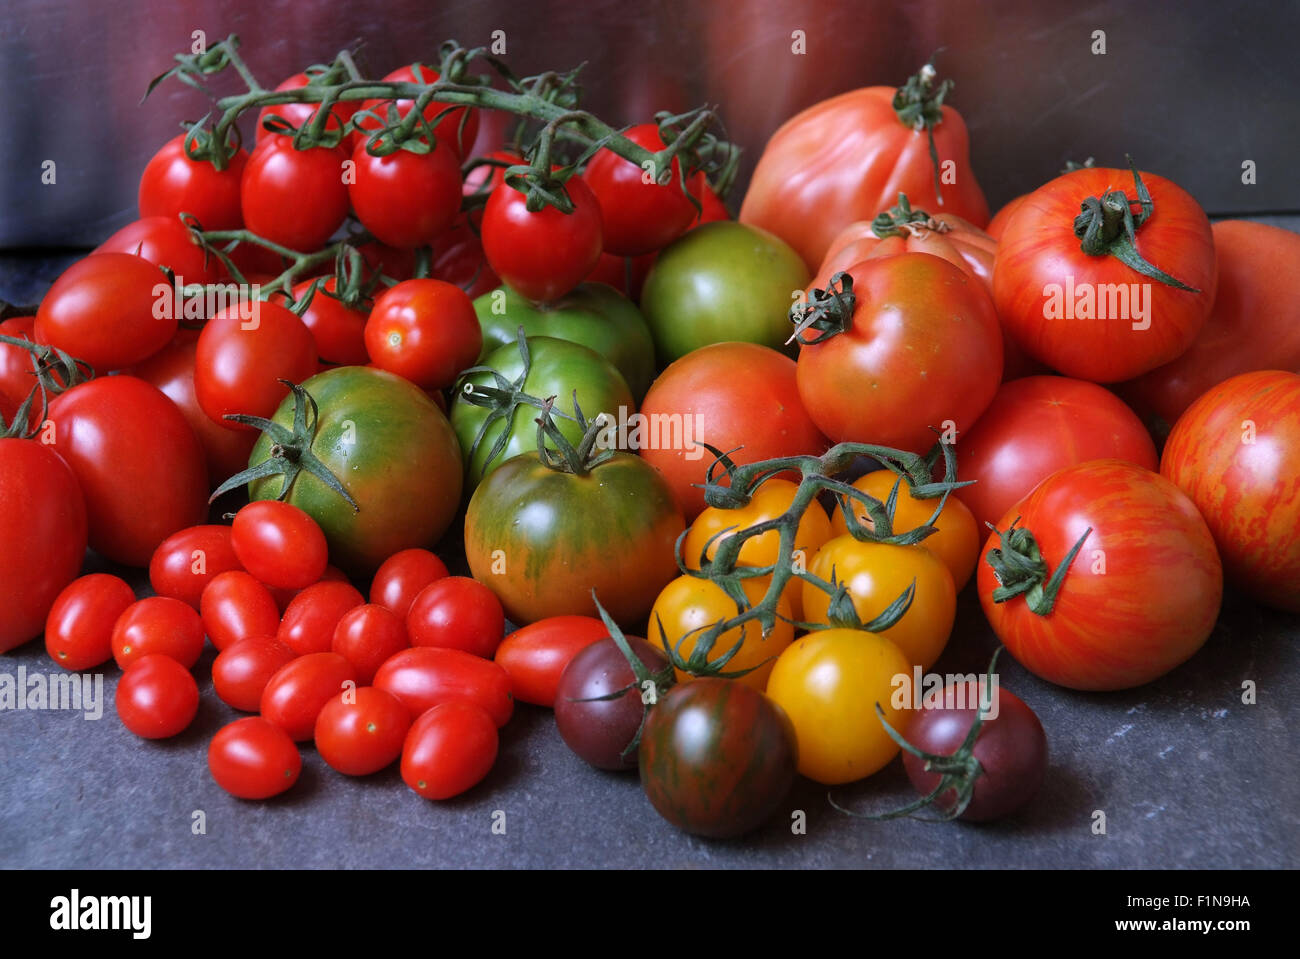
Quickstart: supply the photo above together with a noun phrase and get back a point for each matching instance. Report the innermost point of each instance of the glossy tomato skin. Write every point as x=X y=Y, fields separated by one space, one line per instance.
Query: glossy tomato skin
x=137 y=461
x=449 y=749
x=958 y=241
x=1142 y=594
x=367 y=636
x=79 y=628
x=638 y=217
x=998 y=225
x=406 y=199
x=545 y=254
x=17 y=369
x=252 y=758
x=362 y=732
x=313 y=615
x=535 y=655
x=717 y=758
x=165 y=241
x=1039 y=256
x=457 y=612
x=424 y=331
x=172 y=184
x=299 y=115
x=275 y=180
x=296 y=694
x=279 y=544
x=156 y=697
x=1236 y=453
x=599 y=730
x=43 y=505
x=339 y=330
x=185 y=562
x=241 y=670
x=235 y=606
x=457 y=130
x=158 y=625
x=425 y=676
x=403 y=576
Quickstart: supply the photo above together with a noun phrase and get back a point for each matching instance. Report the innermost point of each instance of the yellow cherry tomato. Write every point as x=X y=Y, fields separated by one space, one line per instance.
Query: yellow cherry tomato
x=829 y=682
x=957 y=541
x=875 y=575
x=687 y=604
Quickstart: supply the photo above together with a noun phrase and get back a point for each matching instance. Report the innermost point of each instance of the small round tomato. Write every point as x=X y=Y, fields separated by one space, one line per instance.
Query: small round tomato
x=406 y=199
x=361 y=731
x=449 y=750
x=424 y=676
x=312 y=616
x=279 y=544
x=79 y=628
x=253 y=759
x=367 y=636
x=339 y=330
x=542 y=255
x=18 y=367
x=535 y=655
x=165 y=241
x=425 y=331
x=173 y=184
x=185 y=562
x=299 y=115
x=235 y=606
x=157 y=697
x=597 y=725
x=638 y=217
x=458 y=129
x=241 y=670
x=296 y=694
x=457 y=612
x=158 y=625
x=402 y=577
x=458 y=259
x=276 y=179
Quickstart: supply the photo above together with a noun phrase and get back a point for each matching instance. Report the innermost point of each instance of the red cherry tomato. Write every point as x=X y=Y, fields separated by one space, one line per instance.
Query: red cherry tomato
x=298 y=115
x=253 y=759
x=296 y=694
x=158 y=625
x=457 y=613
x=367 y=636
x=311 y=617
x=449 y=750
x=424 y=676
x=276 y=181
x=458 y=259
x=172 y=184
x=361 y=732
x=406 y=199
x=535 y=655
x=425 y=331
x=638 y=217
x=241 y=670
x=403 y=576
x=185 y=562
x=157 y=697
x=235 y=606
x=17 y=368
x=79 y=628
x=165 y=241
x=458 y=129
x=542 y=255
x=279 y=544
x=339 y=331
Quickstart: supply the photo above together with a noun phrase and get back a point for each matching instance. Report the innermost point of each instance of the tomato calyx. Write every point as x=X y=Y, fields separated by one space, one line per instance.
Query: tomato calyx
x=1019 y=566
x=566 y=458
x=54 y=372
x=828 y=311
x=919 y=105
x=902 y=220
x=842 y=614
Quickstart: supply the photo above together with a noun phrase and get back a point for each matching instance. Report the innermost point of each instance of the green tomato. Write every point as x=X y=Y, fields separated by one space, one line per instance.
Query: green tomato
x=722 y=282
x=595 y=315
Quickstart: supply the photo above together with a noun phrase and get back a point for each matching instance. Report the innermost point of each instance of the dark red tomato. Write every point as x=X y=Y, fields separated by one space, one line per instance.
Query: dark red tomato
x=137 y=461
x=638 y=216
x=241 y=670
x=367 y=636
x=312 y=616
x=17 y=366
x=239 y=361
x=624 y=273
x=425 y=331
x=458 y=129
x=424 y=676
x=157 y=697
x=185 y=562
x=486 y=177
x=105 y=310
x=1036 y=426
x=42 y=537
x=256 y=263
x=295 y=695
x=458 y=259
x=173 y=184
x=361 y=731
x=449 y=749
x=396 y=264
x=406 y=199
x=535 y=655
x=298 y=115
x=542 y=255
x=717 y=757
x=402 y=577
x=600 y=730
x=339 y=331
x=165 y=241
x=457 y=612
x=276 y=182
x=712 y=208
x=279 y=544
x=158 y=625
x=79 y=629
x=235 y=606
x=253 y=759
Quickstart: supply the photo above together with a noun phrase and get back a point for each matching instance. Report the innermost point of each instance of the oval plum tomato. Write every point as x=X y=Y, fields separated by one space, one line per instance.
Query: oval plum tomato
x=241 y=670
x=449 y=750
x=922 y=349
x=235 y=606
x=424 y=331
x=253 y=759
x=278 y=177
x=156 y=697
x=165 y=241
x=240 y=361
x=338 y=329
x=457 y=612
x=406 y=199
x=1139 y=597
x=158 y=625
x=298 y=115
x=599 y=730
x=313 y=615
x=279 y=544
x=79 y=628
x=42 y=536
x=185 y=562
x=1036 y=426
x=105 y=310
x=402 y=577
x=458 y=129
x=361 y=732
x=366 y=637
x=638 y=217
x=173 y=184
x=542 y=255
x=458 y=259
x=296 y=694
x=1088 y=314
x=717 y=758
x=137 y=461
x=535 y=655
x=1236 y=453
x=425 y=676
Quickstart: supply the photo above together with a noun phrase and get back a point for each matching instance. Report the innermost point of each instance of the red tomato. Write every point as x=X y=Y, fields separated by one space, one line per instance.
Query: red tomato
x=534 y=656
x=79 y=628
x=425 y=331
x=311 y=617
x=279 y=544
x=185 y=562
x=367 y=636
x=449 y=750
x=457 y=612
x=998 y=225
x=712 y=208
x=402 y=577
x=241 y=670
x=295 y=695
x=253 y=759
x=275 y=183
x=157 y=697
x=638 y=217
x=137 y=461
x=172 y=184
x=361 y=731
x=406 y=199
x=425 y=676
x=624 y=273
x=235 y=606
x=17 y=366
x=339 y=331
x=299 y=115
x=458 y=129
x=458 y=259
x=158 y=625
x=542 y=255
x=393 y=263
x=165 y=241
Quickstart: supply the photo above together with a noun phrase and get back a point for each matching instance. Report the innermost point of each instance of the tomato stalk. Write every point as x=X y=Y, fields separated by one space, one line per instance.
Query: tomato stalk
x=54 y=372
x=1021 y=569
x=902 y=220
x=566 y=458
x=919 y=105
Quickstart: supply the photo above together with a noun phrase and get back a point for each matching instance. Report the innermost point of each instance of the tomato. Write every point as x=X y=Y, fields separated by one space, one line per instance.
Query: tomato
x=79 y=628
x=296 y=694
x=458 y=129
x=279 y=544
x=424 y=331
x=165 y=241
x=42 y=537
x=235 y=606
x=425 y=676
x=185 y=562
x=367 y=636
x=535 y=655
x=1139 y=597
x=1091 y=316
x=252 y=758
x=1036 y=426
x=158 y=625
x=1236 y=453
x=299 y=115
x=625 y=274
x=406 y=199
x=395 y=264
x=137 y=462
x=449 y=750
x=458 y=259
x=712 y=207
x=457 y=612
x=600 y=729
x=313 y=615
x=241 y=670
x=545 y=254
x=592 y=315
x=361 y=731
x=717 y=758
x=402 y=576
x=156 y=697
x=721 y=282
x=239 y=362
x=339 y=330
x=638 y=217
x=740 y=398
x=998 y=225
x=275 y=181
x=172 y=184
x=393 y=451
x=17 y=368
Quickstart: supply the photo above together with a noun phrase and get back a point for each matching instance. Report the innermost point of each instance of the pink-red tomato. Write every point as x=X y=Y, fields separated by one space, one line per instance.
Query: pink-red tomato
x=296 y=694
x=361 y=732
x=241 y=670
x=253 y=759
x=158 y=625
x=157 y=697
x=79 y=628
x=535 y=655
x=449 y=749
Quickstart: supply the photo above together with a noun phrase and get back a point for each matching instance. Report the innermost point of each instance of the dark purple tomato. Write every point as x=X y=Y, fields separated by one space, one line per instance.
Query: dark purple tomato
x=599 y=730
